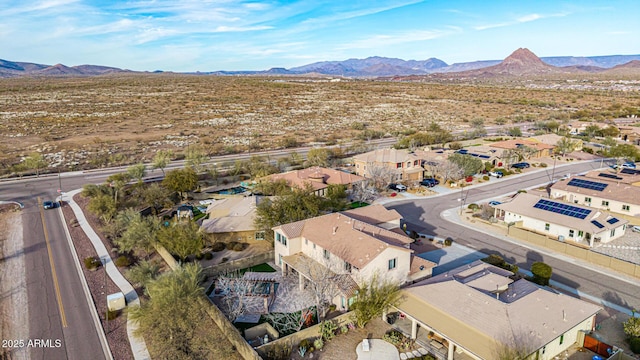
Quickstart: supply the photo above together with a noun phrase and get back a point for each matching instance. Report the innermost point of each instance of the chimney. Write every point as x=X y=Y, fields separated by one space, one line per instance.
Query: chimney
x=335 y=228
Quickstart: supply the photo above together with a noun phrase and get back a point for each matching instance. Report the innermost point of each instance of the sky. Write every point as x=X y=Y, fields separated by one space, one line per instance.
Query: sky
x=211 y=35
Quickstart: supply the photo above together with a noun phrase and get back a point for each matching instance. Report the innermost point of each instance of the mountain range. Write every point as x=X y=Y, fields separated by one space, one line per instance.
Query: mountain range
x=521 y=62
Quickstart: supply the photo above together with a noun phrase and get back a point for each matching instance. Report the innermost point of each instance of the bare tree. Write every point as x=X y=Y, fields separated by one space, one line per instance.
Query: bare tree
x=380 y=175
x=449 y=171
x=235 y=290
x=364 y=191
x=514 y=346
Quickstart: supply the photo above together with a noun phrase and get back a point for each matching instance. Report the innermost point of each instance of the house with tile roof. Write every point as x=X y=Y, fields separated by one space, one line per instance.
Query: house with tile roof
x=403 y=164
x=318 y=178
x=349 y=248
x=232 y=219
x=566 y=221
x=471 y=312
x=607 y=193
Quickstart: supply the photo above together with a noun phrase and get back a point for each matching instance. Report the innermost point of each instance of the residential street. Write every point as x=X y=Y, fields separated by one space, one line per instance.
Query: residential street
x=426 y=216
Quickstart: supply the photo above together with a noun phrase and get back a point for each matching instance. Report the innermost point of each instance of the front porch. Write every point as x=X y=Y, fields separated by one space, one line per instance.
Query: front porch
x=434 y=343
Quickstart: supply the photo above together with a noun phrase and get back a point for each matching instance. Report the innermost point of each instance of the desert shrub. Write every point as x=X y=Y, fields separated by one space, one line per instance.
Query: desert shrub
x=91 y=263
x=224 y=260
x=306 y=343
x=122 y=261
x=278 y=352
x=208 y=255
x=217 y=247
x=231 y=245
x=428 y=357
x=544 y=165
x=111 y=315
x=448 y=241
x=393 y=337
x=238 y=247
x=473 y=206
x=541 y=273
x=631 y=327
x=318 y=343
x=199 y=256
x=485 y=178
x=634 y=344
x=344 y=329
x=328 y=330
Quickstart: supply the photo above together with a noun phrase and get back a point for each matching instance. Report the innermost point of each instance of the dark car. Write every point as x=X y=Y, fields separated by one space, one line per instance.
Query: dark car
x=429 y=182
x=521 y=165
x=397 y=187
x=48 y=205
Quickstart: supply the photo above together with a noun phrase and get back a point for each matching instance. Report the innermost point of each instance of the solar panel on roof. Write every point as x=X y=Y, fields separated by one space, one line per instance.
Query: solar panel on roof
x=609 y=176
x=613 y=220
x=596 y=223
x=630 y=171
x=563 y=209
x=586 y=184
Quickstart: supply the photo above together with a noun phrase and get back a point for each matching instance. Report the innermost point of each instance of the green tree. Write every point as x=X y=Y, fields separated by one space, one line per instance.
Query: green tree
x=624 y=151
x=632 y=327
x=237 y=168
x=162 y=159
x=541 y=273
x=319 y=157
x=335 y=198
x=469 y=164
x=182 y=239
x=173 y=319
x=591 y=130
x=137 y=171
x=34 y=161
x=258 y=167
x=139 y=235
x=181 y=180
x=143 y=272
x=610 y=131
x=273 y=188
x=609 y=141
x=373 y=298
x=514 y=131
x=103 y=206
x=566 y=145
x=155 y=196
x=117 y=182
x=196 y=158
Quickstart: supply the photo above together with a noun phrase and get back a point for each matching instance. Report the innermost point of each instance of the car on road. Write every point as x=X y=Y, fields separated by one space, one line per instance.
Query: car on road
x=636 y=229
x=429 y=182
x=629 y=165
x=494 y=203
x=397 y=187
x=497 y=174
x=48 y=205
x=521 y=165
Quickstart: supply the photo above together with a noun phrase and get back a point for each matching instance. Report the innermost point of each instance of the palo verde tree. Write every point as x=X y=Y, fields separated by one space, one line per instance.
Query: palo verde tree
x=470 y=165
x=373 y=298
x=182 y=238
x=162 y=159
x=35 y=161
x=181 y=180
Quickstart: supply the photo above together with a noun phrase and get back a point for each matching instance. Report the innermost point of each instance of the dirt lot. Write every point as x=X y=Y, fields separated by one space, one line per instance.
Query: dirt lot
x=120 y=119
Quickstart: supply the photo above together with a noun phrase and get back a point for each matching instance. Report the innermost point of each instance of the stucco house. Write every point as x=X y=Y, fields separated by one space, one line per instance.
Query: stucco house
x=562 y=220
x=403 y=164
x=349 y=248
x=610 y=192
x=318 y=178
x=473 y=311
x=231 y=219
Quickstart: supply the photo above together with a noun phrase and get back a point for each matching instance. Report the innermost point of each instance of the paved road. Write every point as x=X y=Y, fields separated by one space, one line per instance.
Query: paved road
x=425 y=216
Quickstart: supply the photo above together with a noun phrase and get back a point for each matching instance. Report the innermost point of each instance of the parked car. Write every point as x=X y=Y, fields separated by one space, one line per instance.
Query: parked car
x=48 y=205
x=494 y=203
x=629 y=165
x=636 y=229
x=521 y=165
x=397 y=187
x=497 y=174
x=429 y=182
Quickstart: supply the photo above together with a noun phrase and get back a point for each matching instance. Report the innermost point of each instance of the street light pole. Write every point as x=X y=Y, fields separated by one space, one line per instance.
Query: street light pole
x=106 y=313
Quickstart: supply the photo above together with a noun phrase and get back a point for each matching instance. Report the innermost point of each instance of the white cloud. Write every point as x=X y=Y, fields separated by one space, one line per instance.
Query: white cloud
x=399 y=38
x=241 y=28
x=519 y=20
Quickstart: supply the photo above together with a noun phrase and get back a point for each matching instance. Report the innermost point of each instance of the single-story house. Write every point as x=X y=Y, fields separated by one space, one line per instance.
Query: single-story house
x=231 y=219
x=476 y=311
x=318 y=178
x=565 y=221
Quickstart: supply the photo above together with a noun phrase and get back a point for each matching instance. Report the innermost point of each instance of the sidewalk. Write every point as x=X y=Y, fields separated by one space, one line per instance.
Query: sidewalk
x=138 y=346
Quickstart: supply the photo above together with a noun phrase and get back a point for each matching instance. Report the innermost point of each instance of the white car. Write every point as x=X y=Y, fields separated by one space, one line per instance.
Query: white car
x=636 y=229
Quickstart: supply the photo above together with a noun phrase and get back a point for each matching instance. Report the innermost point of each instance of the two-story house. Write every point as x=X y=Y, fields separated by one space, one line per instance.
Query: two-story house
x=402 y=164
x=349 y=248
x=318 y=178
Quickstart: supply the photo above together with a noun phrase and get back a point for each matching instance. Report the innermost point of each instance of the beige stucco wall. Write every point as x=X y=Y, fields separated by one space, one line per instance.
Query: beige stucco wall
x=614 y=206
x=380 y=266
x=554 y=347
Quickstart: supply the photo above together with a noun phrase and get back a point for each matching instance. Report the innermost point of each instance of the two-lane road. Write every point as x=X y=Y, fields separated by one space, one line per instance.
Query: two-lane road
x=424 y=215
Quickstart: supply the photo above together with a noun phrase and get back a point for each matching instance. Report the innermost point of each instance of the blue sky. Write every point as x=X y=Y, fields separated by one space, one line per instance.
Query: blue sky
x=208 y=35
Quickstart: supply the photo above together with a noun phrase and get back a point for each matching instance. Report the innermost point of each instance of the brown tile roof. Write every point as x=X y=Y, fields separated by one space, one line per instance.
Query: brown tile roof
x=313 y=271
x=373 y=214
x=417 y=262
x=615 y=190
x=387 y=156
x=523 y=204
x=449 y=303
x=513 y=144
x=316 y=176
x=348 y=238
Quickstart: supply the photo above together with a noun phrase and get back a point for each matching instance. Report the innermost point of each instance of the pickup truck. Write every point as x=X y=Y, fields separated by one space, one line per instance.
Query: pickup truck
x=497 y=174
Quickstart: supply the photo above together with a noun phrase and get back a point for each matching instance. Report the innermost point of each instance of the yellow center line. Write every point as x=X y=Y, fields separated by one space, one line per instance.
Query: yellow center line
x=53 y=267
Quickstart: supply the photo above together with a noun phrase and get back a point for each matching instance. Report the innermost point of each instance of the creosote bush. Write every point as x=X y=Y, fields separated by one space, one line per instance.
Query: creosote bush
x=91 y=263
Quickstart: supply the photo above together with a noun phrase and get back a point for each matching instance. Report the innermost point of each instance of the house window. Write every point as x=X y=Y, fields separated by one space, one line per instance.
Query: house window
x=605 y=203
x=260 y=235
x=393 y=263
x=580 y=233
x=314 y=246
x=326 y=254
x=280 y=259
x=284 y=240
x=546 y=227
x=278 y=237
x=626 y=207
x=398 y=165
x=415 y=163
x=613 y=232
x=587 y=199
x=561 y=339
x=306 y=241
x=347 y=266
x=408 y=163
x=570 y=233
